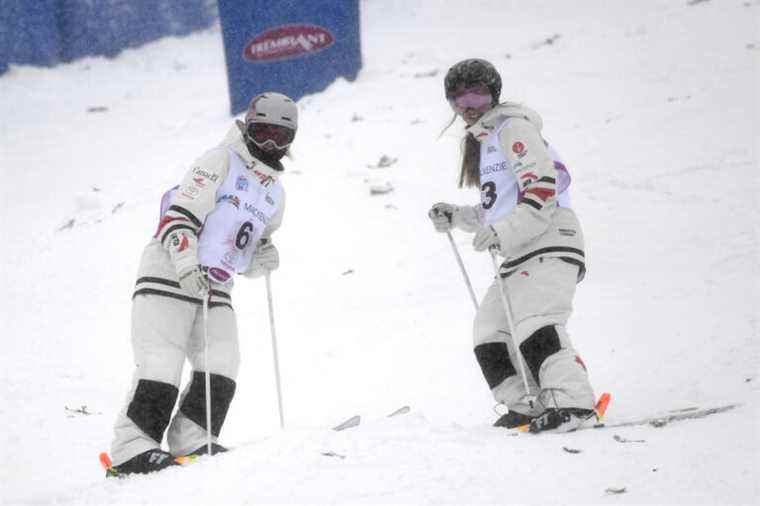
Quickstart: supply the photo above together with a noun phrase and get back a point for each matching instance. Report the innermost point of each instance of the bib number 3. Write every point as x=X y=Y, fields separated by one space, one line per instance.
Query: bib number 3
x=488 y=194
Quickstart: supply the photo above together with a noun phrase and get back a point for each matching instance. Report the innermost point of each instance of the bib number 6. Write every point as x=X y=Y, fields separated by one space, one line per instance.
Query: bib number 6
x=244 y=235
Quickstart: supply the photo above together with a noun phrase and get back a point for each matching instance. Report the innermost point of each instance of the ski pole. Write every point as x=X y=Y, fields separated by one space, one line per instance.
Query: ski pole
x=207 y=374
x=274 y=350
x=510 y=323
x=464 y=271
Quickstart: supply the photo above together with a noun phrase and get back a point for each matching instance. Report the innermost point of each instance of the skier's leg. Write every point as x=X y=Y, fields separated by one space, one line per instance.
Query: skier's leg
x=160 y=329
x=187 y=431
x=541 y=294
x=497 y=359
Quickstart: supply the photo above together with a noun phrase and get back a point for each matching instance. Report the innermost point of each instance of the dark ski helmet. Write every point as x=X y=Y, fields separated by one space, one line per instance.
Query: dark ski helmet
x=470 y=73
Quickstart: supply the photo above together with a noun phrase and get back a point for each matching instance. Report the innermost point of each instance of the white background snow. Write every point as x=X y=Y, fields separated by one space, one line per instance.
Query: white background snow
x=653 y=105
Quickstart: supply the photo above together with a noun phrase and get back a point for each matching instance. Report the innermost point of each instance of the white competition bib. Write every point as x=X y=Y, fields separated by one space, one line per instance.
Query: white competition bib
x=499 y=190
x=245 y=202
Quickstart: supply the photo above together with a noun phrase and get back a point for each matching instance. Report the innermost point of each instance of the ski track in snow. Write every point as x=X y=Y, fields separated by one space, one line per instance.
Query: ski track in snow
x=655 y=109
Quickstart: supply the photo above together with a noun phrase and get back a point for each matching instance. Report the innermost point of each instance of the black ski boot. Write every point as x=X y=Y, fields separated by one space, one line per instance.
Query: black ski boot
x=560 y=419
x=203 y=450
x=144 y=463
x=512 y=419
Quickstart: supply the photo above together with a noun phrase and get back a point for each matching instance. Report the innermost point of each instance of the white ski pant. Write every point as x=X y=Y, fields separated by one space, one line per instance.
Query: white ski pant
x=540 y=295
x=165 y=332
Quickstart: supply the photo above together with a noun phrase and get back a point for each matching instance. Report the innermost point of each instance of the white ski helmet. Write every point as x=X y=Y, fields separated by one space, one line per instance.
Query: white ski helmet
x=274 y=109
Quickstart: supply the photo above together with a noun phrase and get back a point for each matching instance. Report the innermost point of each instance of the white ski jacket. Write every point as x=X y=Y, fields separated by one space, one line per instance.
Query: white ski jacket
x=537 y=226
x=189 y=205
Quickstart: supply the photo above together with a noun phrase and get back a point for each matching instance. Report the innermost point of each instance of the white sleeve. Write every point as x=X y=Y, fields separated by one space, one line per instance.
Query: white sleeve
x=196 y=196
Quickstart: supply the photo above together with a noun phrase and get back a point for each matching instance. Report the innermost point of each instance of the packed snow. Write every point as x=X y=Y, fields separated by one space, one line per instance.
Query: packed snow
x=654 y=107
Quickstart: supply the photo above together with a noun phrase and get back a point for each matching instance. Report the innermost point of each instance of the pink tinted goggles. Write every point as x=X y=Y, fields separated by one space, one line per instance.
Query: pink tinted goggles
x=470 y=100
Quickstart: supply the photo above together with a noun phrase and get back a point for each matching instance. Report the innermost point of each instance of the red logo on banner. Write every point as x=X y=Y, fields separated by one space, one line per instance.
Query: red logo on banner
x=287 y=41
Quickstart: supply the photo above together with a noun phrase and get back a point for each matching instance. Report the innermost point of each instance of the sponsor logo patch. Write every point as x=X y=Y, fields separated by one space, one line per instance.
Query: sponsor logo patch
x=219 y=275
x=264 y=179
x=204 y=174
x=256 y=213
x=242 y=184
x=288 y=41
x=232 y=199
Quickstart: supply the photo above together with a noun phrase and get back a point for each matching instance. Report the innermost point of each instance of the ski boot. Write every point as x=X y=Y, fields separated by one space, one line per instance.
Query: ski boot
x=203 y=450
x=560 y=420
x=512 y=419
x=144 y=463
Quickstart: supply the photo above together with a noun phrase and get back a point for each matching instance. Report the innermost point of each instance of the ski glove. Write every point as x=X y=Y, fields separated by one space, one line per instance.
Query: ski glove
x=183 y=251
x=447 y=216
x=265 y=260
x=486 y=238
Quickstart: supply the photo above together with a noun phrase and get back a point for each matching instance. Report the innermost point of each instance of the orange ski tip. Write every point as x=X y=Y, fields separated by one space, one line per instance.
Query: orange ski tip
x=105 y=461
x=185 y=459
x=601 y=405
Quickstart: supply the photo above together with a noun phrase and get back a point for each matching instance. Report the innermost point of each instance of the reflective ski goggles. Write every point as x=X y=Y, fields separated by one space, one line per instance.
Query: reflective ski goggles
x=263 y=134
x=477 y=99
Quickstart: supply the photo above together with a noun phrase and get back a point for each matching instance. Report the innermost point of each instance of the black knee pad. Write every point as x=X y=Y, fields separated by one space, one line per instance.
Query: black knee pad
x=194 y=404
x=540 y=345
x=494 y=362
x=151 y=407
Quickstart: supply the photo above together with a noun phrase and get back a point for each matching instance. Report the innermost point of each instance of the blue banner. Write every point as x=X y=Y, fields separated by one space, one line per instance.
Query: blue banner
x=28 y=33
x=291 y=47
x=46 y=32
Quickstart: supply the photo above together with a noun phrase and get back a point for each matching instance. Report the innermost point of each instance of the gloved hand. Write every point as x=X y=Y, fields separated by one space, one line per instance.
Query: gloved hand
x=183 y=250
x=447 y=216
x=265 y=259
x=486 y=238
x=442 y=216
x=194 y=282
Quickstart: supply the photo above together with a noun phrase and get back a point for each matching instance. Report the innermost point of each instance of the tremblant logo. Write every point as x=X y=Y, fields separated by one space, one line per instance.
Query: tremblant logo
x=287 y=41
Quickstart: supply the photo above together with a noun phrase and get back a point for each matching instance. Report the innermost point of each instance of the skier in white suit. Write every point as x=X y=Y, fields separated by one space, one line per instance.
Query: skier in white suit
x=524 y=212
x=217 y=223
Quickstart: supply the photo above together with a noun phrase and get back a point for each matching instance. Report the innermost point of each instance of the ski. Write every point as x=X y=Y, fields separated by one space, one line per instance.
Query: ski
x=665 y=419
x=349 y=423
x=356 y=419
x=653 y=420
x=400 y=411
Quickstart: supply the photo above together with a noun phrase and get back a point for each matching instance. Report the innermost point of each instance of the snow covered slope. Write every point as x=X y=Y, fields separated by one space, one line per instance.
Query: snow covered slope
x=654 y=105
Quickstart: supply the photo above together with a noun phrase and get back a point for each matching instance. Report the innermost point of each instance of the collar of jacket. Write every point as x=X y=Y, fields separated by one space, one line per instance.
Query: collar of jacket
x=491 y=120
